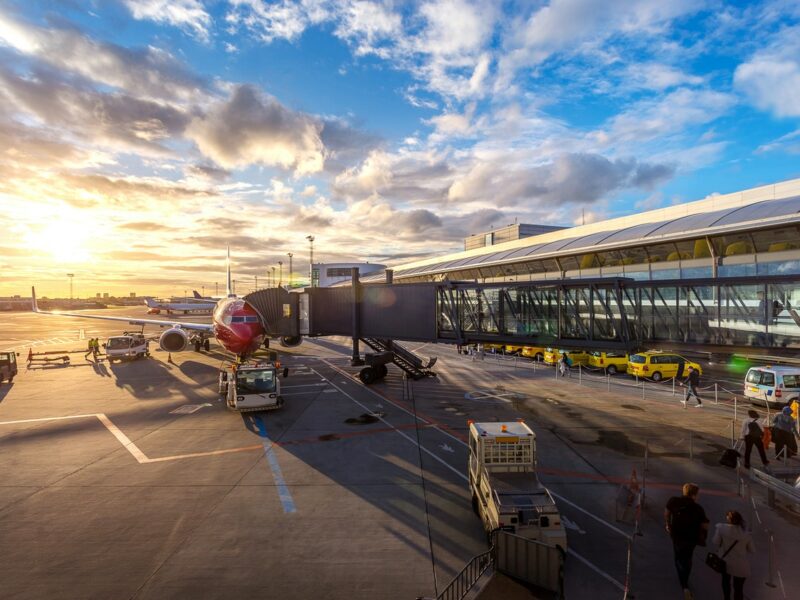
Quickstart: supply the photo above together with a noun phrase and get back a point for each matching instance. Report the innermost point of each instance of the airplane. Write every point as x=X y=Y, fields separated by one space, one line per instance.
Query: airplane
x=155 y=307
x=234 y=323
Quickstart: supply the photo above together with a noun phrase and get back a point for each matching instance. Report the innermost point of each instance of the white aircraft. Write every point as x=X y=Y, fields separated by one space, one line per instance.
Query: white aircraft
x=234 y=323
x=155 y=306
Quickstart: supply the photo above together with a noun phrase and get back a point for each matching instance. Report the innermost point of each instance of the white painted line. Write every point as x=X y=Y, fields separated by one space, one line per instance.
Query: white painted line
x=587 y=513
x=47 y=419
x=329 y=391
x=188 y=409
x=129 y=445
x=291 y=387
x=123 y=439
x=413 y=441
x=596 y=569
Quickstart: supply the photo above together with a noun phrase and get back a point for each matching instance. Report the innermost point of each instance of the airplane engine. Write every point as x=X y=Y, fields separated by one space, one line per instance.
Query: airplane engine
x=291 y=341
x=173 y=340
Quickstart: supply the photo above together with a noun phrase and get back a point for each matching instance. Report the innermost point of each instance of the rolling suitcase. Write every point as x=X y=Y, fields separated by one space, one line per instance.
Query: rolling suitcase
x=729 y=458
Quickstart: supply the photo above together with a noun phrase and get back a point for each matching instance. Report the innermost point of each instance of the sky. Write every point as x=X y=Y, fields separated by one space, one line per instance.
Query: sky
x=139 y=138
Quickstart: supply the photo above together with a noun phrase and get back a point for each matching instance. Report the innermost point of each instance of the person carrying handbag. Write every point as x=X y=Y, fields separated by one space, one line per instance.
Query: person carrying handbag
x=735 y=542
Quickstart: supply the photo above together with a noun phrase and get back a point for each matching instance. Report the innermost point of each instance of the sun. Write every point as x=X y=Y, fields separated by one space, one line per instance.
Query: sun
x=66 y=241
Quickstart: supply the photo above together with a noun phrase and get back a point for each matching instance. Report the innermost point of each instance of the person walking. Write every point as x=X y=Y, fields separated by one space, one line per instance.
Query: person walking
x=563 y=365
x=89 y=348
x=784 y=432
x=687 y=526
x=733 y=538
x=753 y=434
x=95 y=347
x=691 y=382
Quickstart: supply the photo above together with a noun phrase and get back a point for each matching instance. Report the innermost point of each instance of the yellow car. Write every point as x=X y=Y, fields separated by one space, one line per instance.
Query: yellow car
x=534 y=352
x=577 y=357
x=657 y=365
x=612 y=362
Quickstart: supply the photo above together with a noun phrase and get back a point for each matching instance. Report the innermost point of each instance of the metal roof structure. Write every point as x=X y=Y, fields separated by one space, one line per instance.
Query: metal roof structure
x=744 y=211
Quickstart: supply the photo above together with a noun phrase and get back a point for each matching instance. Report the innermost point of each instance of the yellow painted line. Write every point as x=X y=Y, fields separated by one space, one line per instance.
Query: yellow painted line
x=129 y=445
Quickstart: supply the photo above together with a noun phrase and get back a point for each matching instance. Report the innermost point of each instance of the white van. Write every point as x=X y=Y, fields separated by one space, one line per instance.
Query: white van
x=777 y=386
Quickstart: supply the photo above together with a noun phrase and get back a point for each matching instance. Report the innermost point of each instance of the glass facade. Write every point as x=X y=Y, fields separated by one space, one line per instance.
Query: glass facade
x=627 y=313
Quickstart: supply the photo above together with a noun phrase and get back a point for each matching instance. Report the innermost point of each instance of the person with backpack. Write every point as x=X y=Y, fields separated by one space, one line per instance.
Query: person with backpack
x=691 y=382
x=784 y=432
x=687 y=526
x=753 y=435
x=733 y=543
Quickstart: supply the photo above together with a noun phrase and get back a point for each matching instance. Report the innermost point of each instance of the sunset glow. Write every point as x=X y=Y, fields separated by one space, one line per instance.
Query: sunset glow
x=136 y=143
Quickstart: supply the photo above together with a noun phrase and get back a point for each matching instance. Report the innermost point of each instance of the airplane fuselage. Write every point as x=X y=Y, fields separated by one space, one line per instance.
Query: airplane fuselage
x=237 y=326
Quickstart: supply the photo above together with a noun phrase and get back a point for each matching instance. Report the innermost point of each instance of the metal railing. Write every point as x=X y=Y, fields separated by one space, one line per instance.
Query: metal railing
x=466 y=578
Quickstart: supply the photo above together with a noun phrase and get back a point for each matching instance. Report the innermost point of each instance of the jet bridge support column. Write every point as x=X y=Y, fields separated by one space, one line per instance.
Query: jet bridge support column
x=356 y=360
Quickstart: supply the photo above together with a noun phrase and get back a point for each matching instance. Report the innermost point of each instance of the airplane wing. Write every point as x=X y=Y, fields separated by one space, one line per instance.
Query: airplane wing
x=206 y=327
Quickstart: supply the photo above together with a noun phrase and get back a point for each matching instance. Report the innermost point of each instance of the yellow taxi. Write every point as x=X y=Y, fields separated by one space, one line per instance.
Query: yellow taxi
x=534 y=352
x=611 y=362
x=512 y=349
x=577 y=357
x=658 y=365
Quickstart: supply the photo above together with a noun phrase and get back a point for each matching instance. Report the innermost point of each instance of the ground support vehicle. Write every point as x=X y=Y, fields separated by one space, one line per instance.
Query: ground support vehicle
x=657 y=365
x=8 y=366
x=129 y=345
x=251 y=386
x=506 y=492
x=773 y=386
x=610 y=362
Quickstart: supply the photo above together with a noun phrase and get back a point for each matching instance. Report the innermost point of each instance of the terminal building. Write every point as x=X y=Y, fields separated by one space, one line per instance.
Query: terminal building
x=716 y=275
x=722 y=271
x=329 y=274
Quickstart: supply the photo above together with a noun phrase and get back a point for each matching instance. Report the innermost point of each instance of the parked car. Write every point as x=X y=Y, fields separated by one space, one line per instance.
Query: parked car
x=658 y=365
x=611 y=362
x=577 y=357
x=534 y=352
x=773 y=386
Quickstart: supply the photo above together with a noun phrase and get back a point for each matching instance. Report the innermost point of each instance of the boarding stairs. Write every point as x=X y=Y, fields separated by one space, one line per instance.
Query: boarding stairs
x=408 y=361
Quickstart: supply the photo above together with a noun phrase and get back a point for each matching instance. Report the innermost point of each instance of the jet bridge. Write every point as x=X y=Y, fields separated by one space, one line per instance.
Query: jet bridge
x=715 y=314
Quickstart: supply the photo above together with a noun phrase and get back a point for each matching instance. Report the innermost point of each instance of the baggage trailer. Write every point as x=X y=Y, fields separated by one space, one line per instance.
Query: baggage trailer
x=8 y=366
x=506 y=492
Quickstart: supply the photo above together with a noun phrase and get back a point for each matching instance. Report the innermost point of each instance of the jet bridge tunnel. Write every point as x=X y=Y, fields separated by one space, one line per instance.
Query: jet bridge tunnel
x=719 y=314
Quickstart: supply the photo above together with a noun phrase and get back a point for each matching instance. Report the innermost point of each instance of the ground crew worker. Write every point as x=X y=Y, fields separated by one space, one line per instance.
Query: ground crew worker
x=95 y=347
x=89 y=348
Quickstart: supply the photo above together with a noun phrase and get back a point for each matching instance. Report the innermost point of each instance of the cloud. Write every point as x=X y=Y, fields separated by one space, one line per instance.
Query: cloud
x=145 y=72
x=186 y=14
x=146 y=226
x=658 y=77
x=771 y=78
x=254 y=128
x=570 y=178
x=568 y=25
x=116 y=120
x=666 y=115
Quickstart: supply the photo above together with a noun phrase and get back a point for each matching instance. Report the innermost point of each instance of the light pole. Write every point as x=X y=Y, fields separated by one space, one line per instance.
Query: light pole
x=256 y=282
x=280 y=273
x=273 y=276
x=71 y=277
x=202 y=287
x=290 y=255
x=216 y=288
x=310 y=239
x=233 y=291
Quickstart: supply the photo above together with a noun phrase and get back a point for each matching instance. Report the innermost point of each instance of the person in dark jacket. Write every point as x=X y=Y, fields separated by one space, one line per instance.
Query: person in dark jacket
x=691 y=382
x=752 y=432
x=687 y=526
x=784 y=432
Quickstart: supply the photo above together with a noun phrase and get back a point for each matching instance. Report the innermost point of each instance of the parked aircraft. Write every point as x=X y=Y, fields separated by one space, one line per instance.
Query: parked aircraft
x=155 y=306
x=234 y=323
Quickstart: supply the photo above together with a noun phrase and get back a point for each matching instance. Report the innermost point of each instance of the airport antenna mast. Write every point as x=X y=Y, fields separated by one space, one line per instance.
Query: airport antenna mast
x=280 y=273
x=310 y=239
x=290 y=255
x=71 y=277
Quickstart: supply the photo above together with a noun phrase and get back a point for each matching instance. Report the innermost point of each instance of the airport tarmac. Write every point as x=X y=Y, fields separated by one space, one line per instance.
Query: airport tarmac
x=133 y=480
